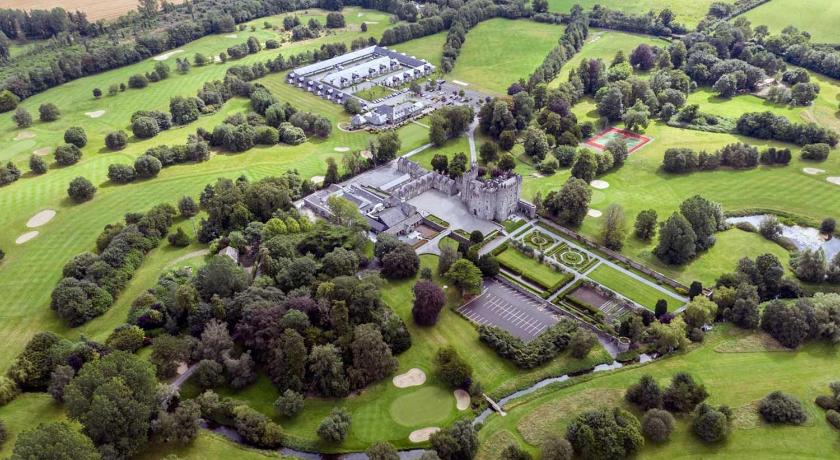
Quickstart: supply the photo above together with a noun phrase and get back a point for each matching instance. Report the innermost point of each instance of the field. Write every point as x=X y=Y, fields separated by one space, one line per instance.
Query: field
x=737 y=379
x=491 y=60
x=95 y=9
x=543 y=274
x=630 y=288
x=687 y=12
x=816 y=16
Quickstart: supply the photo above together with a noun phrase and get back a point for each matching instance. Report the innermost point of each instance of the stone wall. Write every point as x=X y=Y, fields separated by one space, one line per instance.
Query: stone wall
x=422 y=181
x=494 y=199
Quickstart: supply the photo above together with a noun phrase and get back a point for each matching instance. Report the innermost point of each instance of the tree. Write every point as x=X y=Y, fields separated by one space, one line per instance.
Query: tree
x=657 y=425
x=287 y=361
x=48 y=112
x=75 y=135
x=401 y=263
x=458 y=442
x=113 y=398
x=637 y=117
x=55 y=440
x=327 y=370
x=605 y=433
x=168 y=353
x=67 y=154
x=429 y=299
x=22 y=118
x=536 y=144
x=332 y=176
x=458 y=166
x=683 y=394
x=513 y=452
x=37 y=164
x=340 y=262
x=585 y=166
x=787 y=324
x=382 y=451
x=645 y=227
x=8 y=101
x=710 y=424
x=556 y=448
x=488 y=265
x=334 y=427
x=676 y=241
x=440 y=163
x=215 y=341
x=643 y=57
x=452 y=369
x=610 y=103
x=188 y=207
x=613 y=228
x=387 y=146
x=646 y=393
x=289 y=404
x=208 y=374
x=464 y=275
x=220 y=276
x=704 y=216
x=827 y=226
x=146 y=166
x=488 y=152
x=372 y=359
x=180 y=425
x=809 y=265
x=782 y=408
x=506 y=162
x=80 y=190
x=346 y=213
x=126 y=338
x=699 y=312
x=571 y=204
x=116 y=140
x=582 y=343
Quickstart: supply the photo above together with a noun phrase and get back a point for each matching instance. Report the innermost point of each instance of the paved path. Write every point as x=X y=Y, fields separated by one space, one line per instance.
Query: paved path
x=432 y=246
x=183 y=377
x=417 y=150
x=471 y=139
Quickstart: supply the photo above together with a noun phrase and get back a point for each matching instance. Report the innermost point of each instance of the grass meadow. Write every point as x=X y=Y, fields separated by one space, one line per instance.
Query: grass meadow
x=737 y=367
x=688 y=12
x=818 y=17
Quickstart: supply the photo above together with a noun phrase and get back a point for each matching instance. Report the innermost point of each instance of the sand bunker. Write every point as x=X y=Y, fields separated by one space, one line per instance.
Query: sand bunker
x=165 y=56
x=26 y=237
x=230 y=36
x=317 y=180
x=342 y=149
x=599 y=184
x=41 y=218
x=459 y=82
x=813 y=171
x=412 y=378
x=43 y=151
x=593 y=213
x=833 y=180
x=95 y=113
x=462 y=399
x=23 y=135
x=371 y=22
x=423 y=434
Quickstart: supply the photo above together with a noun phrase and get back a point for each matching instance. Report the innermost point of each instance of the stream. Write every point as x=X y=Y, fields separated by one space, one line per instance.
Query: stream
x=414 y=454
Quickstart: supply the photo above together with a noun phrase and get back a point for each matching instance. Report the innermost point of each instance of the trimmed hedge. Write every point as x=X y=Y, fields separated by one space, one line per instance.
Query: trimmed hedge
x=542 y=349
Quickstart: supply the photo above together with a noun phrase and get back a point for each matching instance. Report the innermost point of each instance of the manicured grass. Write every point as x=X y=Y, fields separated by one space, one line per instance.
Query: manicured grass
x=735 y=379
x=423 y=406
x=208 y=445
x=603 y=44
x=491 y=59
x=374 y=92
x=27 y=411
x=429 y=48
x=818 y=17
x=449 y=149
x=688 y=12
x=538 y=272
x=631 y=288
x=30 y=271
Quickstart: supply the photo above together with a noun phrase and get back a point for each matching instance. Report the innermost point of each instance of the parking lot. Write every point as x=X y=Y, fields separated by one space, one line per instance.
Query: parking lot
x=506 y=308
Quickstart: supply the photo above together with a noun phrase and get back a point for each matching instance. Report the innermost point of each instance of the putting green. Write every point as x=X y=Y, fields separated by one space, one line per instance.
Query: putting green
x=423 y=407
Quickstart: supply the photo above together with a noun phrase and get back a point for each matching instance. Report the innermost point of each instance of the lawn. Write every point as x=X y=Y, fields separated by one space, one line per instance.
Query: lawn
x=635 y=290
x=541 y=273
x=458 y=145
x=736 y=379
x=688 y=12
x=30 y=271
x=429 y=47
x=818 y=17
x=374 y=92
x=491 y=60
x=408 y=409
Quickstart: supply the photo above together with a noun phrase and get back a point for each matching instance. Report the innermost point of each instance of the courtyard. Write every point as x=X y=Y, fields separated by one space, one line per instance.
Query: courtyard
x=452 y=210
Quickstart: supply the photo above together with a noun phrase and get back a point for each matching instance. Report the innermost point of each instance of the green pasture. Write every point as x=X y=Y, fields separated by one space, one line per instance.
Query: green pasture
x=688 y=12
x=736 y=369
x=632 y=289
x=499 y=52
x=429 y=48
x=818 y=17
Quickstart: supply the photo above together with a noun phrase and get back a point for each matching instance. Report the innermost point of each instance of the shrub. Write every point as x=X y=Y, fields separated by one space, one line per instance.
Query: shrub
x=80 y=190
x=646 y=393
x=657 y=425
x=605 y=433
x=179 y=238
x=120 y=173
x=76 y=136
x=289 y=404
x=126 y=338
x=116 y=140
x=67 y=154
x=138 y=81
x=145 y=127
x=452 y=369
x=833 y=418
x=37 y=164
x=710 y=424
x=334 y=427
x=778 y=407
x=146 y=166
x=683 y=394
x=8 y=390
x=22 y=118
x=815 y=152
x=48 y=112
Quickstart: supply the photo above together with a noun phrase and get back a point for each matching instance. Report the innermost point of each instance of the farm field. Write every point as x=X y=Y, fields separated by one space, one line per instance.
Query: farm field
x=737 y=370
x=816 y=16
x=687 y=12
x=479 y=63
x=95 y=9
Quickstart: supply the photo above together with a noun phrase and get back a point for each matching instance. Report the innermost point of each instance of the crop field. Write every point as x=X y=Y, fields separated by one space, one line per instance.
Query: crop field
x=818 y=17
x=688 y=12
x=736 y=370
x=491 y=59
x=95 y=9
